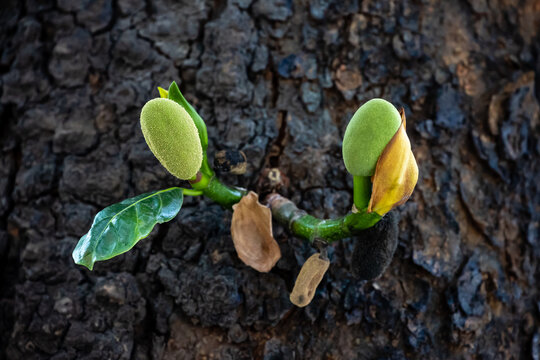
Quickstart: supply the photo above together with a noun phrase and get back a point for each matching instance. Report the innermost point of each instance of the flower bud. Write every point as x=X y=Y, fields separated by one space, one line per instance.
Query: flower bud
x=172 y=136
x=369 y=131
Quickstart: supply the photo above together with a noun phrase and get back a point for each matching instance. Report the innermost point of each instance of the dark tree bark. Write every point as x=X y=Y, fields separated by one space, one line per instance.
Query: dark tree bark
x=279 y=80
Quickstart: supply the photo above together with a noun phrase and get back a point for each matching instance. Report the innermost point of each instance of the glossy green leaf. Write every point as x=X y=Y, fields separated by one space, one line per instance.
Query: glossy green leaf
x=175 y=95
x=117 y=228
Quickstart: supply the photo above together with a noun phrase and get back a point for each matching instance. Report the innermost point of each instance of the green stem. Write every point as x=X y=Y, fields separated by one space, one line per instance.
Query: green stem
x=361 y=191
x=311 y=228
x=205 y=166
x=214 y=189
x=191 y=192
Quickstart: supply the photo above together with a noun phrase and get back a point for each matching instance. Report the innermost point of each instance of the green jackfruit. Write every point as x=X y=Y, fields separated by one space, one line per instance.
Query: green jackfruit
x=172 y=136
x=369 y=131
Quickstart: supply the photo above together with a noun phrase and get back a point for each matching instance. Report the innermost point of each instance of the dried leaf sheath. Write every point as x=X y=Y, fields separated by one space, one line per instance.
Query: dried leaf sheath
x=251 y=231
x=395 y=175
x=308 y=279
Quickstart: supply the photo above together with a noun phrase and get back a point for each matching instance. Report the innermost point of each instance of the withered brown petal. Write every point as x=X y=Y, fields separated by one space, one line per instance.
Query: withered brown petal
x=395 y=175
x=308 y=279
x=251 y=231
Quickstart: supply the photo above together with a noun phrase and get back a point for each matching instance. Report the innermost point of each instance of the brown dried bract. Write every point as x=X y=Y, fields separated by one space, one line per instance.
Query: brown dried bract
x=251 y=231
x=347 y=79
x=231 y=161
x=273 y=179
x=308 y=279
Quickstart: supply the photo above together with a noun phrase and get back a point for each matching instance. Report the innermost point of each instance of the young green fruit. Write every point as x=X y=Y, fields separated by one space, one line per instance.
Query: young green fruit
x=172 y=136
x=369 y=131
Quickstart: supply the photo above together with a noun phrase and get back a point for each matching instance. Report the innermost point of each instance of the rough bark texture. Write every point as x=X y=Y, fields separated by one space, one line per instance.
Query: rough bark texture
x=277 y=79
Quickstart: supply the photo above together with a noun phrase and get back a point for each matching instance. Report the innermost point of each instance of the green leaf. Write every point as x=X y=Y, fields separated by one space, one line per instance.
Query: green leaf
x=117 y=228
x=176 y=95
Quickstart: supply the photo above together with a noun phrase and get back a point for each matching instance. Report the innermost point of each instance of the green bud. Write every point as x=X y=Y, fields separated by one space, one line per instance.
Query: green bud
x=172 y=136
x=369 y=131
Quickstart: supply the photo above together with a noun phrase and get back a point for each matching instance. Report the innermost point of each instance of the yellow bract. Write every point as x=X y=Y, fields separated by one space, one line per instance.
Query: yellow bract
x=395 y=175
x=163 y=93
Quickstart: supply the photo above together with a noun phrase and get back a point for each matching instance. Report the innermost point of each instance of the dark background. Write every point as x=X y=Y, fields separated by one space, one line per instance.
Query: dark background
x=278 y=79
